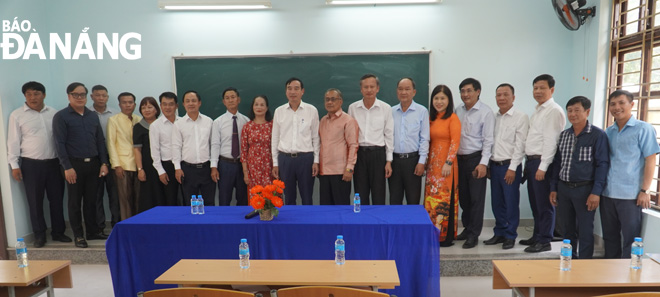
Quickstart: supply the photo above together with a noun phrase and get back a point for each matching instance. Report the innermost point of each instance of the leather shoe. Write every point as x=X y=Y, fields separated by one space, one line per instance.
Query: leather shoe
x=462 y=236
x=446 y=243
x=60 y=237
x=508 y=244
x=530 y=241
x=470 y=243
x=494 y=240
x=81 y=242
x=538 y=247
x=39 y=242
x=96 y=236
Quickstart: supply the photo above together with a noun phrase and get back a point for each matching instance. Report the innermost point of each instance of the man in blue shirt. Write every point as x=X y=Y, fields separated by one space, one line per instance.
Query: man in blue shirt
x=411 y=145
x=578 y=176
x=82 y=152
x=477 y=125
x=633 y=147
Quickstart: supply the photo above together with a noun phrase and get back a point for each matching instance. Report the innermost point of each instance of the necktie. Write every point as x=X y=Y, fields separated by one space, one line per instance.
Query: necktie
x=234 y=140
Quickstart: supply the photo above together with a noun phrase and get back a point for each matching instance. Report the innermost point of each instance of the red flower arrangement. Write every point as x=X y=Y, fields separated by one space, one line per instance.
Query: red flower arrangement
x=267 y=197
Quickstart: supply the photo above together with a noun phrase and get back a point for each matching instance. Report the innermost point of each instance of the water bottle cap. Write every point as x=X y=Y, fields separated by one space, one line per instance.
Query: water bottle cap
x=357 y=194
x=20 y=239
x=199 y=196
x=193 y=196
x=340 y=236
x=243 y=239
x=638 y=239
x=567 y=241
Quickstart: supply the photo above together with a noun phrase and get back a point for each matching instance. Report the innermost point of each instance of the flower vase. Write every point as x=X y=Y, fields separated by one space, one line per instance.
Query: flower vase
x=266 y=215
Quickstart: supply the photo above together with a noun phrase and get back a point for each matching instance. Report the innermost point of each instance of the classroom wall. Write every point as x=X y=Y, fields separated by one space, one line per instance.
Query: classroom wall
x=493 y=41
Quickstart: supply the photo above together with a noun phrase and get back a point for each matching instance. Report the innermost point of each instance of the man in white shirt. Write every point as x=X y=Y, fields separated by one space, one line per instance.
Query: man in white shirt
x=191 y=151
x=295 y=144
x=160 y=137
x=100 y=107
x=510 y=132
x=545 y=125
x=30 y=141
x=225 y=145
x=376 y=138
x=477 y=124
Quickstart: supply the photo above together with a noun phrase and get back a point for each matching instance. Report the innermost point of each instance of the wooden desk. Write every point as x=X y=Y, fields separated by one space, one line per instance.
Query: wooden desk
x=38 y=278
x=361 y=273
x=541 y=278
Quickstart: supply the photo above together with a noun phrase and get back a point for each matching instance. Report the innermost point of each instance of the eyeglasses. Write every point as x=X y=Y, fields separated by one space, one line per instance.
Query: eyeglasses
x=332 y=99
x=78 y=95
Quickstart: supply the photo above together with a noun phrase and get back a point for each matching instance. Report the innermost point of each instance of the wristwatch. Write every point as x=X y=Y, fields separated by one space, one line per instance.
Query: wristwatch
x=645 y=191
x=140 y=168
x=449 y=162
x=349 y=170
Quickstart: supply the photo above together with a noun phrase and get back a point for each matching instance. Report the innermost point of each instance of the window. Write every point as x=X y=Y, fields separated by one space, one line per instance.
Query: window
x=635 y=63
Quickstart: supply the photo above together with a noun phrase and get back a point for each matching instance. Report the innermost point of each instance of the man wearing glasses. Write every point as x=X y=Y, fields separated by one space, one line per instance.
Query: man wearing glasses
x=339 y=144
x=82 y=152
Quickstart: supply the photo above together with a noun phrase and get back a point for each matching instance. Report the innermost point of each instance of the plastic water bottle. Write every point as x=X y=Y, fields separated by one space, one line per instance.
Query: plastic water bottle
x=193 y=205
x=636 y=253
x=200 y=205
x=244 y=254
x=566 y=255
x=356 y=203
x=21 y=253
x=340 y=250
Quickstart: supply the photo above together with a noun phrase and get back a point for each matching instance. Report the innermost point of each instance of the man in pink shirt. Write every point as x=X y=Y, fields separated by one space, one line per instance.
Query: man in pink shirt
x=339 y=143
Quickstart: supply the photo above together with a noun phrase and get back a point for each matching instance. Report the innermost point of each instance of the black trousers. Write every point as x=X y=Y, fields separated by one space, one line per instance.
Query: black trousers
x=83 y=194
x=369 y=176
x=471 y=195
x=577 y=222
x=621 y=220
x=334 y=191
x=297 y=171
x=404 y=180
x=197 y=181
x=171 y=190
x=231 y=177
x=107 y=181
x=39 y=177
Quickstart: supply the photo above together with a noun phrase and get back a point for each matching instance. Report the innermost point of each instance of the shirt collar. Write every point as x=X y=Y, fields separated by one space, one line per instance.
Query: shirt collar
x=475 y=107
x=26 y=108
x=413 y=106
x=335 y=115
x=546 y=104
x=85 y=110
x=361 y=103
x=587 y=128
x=508 y=112
x=288 y=105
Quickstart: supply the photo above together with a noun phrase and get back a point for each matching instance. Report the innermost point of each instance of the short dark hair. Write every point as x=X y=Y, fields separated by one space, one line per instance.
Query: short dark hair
x=370 y=75
x=251 y=115
x=152 y=101
x=618 y=93
x=470 y=81
x=33 y=85
x=230 y=89
x=125 y=94
x=586 y=103
x=74 y=85
x=513 y=91
x=194 y=92
x=450 y=105
x=408 y=78
x=290 y=80
x=546 y=77
x=335 y=90
x=167 y=95
x=99 y=88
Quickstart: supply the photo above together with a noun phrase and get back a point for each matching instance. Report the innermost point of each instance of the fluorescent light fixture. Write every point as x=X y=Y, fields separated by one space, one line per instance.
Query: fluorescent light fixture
x=213 y=4
x=372 y=2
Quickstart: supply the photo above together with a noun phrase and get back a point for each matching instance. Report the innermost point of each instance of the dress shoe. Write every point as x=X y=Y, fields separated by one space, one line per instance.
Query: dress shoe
x=462 y=236
x=40 y=241
x=538 y=247
x=530 y=241
x=97 y=236
x=60 y=237
x=81 y=242
x=470 y=243
x=494 y=240
x=508 y=244
x=446 y=243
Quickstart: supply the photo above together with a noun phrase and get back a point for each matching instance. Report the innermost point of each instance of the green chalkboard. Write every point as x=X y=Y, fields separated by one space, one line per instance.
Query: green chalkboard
x=253 y=76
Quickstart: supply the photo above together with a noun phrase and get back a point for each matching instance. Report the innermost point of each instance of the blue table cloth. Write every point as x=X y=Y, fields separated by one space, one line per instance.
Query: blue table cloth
x=143 y=247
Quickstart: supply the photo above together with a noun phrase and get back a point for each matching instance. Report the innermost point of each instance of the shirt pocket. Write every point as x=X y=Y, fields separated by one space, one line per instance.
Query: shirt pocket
x=474 y=129
x=509 y=134
x=412 y=126
x=584 y=154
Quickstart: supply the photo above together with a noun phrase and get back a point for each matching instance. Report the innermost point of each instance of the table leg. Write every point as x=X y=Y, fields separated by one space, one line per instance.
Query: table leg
x=374 y=288
x=12 y=291
x=49 y=286
x=515 y=292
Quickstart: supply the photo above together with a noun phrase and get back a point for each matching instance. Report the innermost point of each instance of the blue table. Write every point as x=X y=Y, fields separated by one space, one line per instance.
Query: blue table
x=144 y=246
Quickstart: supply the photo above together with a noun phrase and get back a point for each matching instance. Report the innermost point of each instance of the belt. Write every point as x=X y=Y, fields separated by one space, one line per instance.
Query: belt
x=469 y=156
x=371 y=148
x=533 y=157
x=230 y=160
x=501 y=163
x=198 y=165
x=86 y=160
x=406 y=155
x=39 y=160
x=578 y=184
x=295 y=155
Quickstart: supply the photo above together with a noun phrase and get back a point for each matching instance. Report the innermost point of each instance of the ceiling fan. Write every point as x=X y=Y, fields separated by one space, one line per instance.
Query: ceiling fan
x=571 y=14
